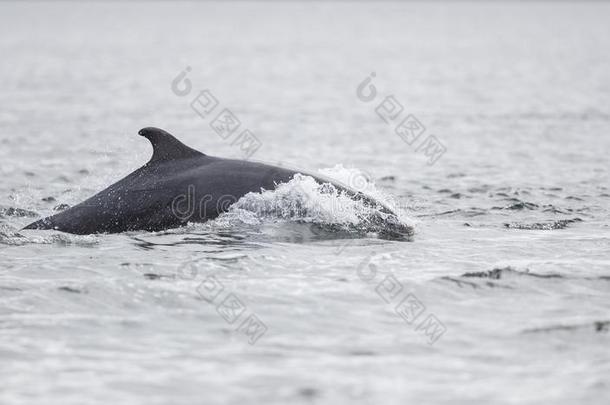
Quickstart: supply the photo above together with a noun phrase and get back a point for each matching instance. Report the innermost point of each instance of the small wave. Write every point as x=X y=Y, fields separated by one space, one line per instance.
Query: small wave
x=544 y=226
x=16 y=212
x=469 y=212
x=505 y=272
x=460 y=282
x=596 y=326
x=518 y=205
x=510 y=278
x=11 y=236
x=72 y=290
x=471 y=279
x=555 y=210
x=61 y=207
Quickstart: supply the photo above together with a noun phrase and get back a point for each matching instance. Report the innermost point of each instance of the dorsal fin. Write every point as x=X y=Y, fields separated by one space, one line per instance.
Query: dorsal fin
x=165 y=146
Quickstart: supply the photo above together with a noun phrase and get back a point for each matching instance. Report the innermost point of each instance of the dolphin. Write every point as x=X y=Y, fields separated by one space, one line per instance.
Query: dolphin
x=180 y=185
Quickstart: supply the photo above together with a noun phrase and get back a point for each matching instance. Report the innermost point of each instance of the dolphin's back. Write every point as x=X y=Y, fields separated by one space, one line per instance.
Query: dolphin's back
x=178 y=185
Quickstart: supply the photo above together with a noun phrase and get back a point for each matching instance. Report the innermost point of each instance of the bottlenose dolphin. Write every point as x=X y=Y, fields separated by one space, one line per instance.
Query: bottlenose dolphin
x=180 y=185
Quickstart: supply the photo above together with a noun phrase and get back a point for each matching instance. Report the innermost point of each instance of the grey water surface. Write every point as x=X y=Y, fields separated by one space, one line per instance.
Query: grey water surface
x=501 y=296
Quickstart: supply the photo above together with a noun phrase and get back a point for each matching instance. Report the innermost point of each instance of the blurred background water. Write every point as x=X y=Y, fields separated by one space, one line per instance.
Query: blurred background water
x=510 y=255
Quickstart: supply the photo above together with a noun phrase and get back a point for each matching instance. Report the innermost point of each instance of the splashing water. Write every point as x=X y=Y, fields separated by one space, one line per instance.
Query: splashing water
x=304 y=200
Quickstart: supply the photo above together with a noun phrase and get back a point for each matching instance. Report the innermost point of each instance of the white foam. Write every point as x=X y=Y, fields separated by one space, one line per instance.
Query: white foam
x=303 y=199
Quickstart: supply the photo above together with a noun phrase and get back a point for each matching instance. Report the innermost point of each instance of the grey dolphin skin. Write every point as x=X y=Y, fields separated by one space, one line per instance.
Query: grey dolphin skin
x=179 y=185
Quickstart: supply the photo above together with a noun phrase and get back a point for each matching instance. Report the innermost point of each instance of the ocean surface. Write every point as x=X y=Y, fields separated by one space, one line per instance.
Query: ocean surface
x=502 y=295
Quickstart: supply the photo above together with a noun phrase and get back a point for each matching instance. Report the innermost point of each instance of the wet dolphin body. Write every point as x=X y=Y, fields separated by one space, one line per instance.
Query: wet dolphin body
x=178 y=185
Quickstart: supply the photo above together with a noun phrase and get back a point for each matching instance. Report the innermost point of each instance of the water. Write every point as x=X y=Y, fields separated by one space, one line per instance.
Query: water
x=508 y=269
